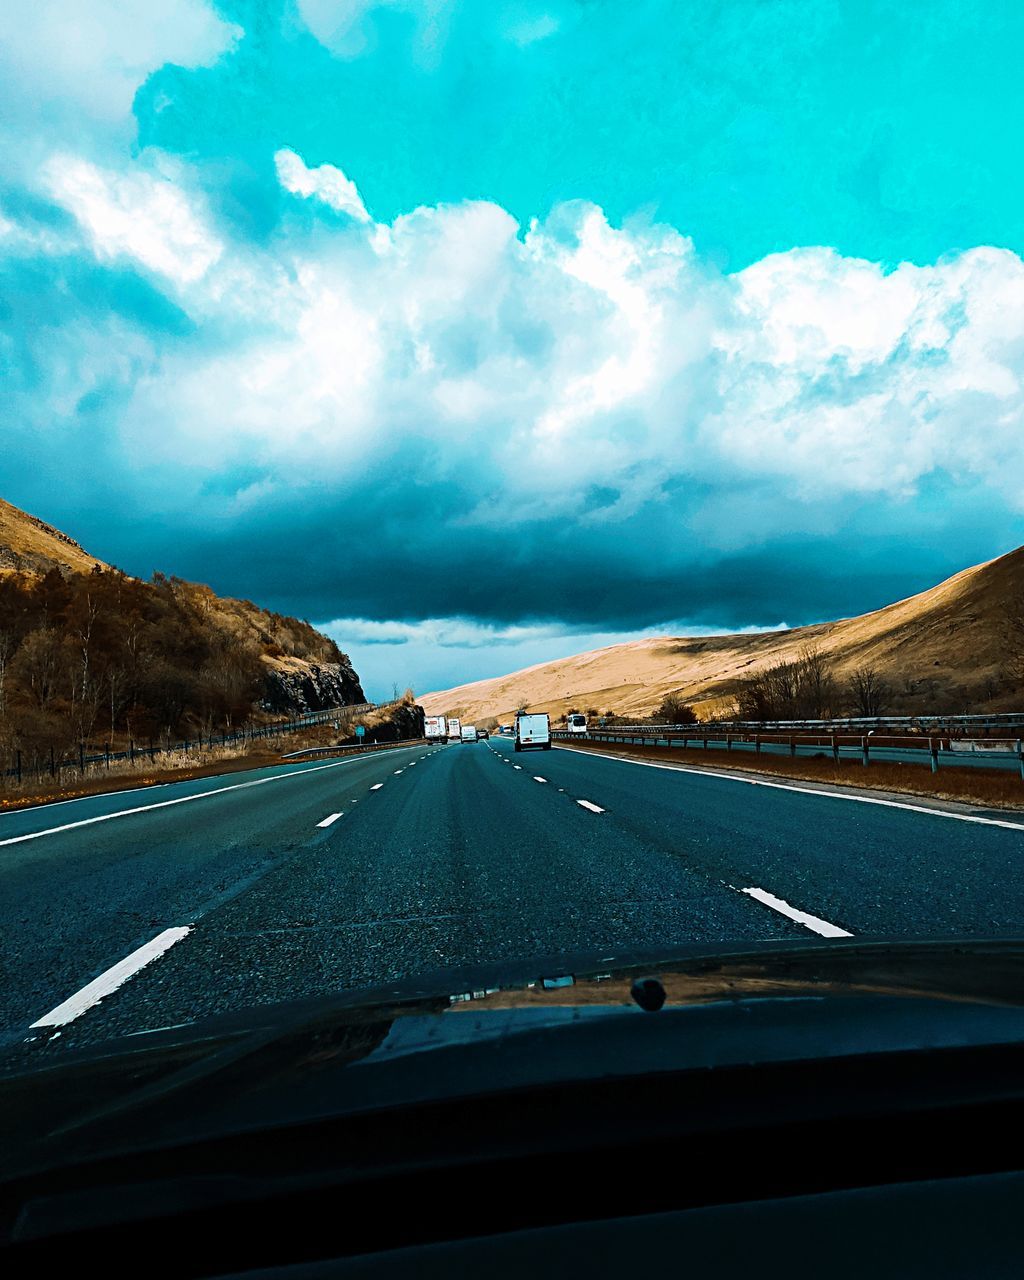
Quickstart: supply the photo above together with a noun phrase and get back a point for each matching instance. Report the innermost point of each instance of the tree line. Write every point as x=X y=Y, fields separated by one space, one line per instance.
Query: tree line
x=104 y=655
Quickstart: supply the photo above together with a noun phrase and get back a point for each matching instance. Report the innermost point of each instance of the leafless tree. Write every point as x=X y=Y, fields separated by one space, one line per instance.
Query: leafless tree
x=868 y=692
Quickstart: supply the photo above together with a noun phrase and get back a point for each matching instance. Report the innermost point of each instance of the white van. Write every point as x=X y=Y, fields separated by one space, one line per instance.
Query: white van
x=454 y=729
x=533 y=731
x=576 y=723
x=469 y=733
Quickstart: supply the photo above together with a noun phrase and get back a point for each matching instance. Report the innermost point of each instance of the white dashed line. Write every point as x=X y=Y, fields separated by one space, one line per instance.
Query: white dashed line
x=398 y=771
x=807 y=791
x=801 y=917
x=587 y=804
x=166 y=804
x=376 y=786
x=327 y=821
x=108 y=982
x=536 y=779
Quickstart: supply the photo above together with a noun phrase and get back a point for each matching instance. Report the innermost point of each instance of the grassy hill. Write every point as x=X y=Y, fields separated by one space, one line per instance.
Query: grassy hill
x=953 y=648
x=88 y=652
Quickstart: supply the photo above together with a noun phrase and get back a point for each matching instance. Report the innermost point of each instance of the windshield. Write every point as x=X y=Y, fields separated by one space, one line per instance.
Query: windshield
x=493 y=485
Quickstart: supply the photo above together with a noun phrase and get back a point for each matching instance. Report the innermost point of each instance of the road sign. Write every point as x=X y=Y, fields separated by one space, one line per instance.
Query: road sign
x=360 y=730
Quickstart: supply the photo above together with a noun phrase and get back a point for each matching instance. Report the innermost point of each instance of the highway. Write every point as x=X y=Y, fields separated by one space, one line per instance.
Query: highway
x=176 y=902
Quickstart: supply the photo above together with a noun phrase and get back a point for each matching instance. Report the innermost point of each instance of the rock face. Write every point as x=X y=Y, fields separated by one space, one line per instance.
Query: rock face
x=295 y=686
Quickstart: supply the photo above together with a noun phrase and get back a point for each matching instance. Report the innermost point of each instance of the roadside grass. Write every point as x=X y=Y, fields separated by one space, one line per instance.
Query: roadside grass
x=987 y=788
x=174 y=766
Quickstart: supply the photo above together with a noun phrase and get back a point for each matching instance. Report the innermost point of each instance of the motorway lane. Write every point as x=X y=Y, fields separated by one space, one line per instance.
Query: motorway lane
x=458 y=860
x=74 y=902
x=451 y=856
x=871 y=869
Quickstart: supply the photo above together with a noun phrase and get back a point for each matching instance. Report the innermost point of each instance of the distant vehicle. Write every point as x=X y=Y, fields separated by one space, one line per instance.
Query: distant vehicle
x=469 y=733
x=505 y=729
x=576 y=723
x=482 y=733
x=533 y=731
x=454 y=729
x=435 y=728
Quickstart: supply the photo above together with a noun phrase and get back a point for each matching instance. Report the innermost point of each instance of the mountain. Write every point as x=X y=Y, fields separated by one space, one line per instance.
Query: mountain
x=955 y=647
x=87 y=650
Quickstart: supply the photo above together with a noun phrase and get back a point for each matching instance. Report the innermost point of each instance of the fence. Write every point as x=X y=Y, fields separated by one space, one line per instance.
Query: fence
x=55 y=763
x=935 y=749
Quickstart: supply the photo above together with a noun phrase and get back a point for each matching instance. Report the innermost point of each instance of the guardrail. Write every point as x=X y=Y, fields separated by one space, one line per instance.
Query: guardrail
x=959 y=725
x=355 y=748
x=936 y=749
x=55 y=762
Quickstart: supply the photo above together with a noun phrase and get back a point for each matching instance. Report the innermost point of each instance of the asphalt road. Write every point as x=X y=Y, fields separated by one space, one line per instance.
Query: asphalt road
x=447 y=856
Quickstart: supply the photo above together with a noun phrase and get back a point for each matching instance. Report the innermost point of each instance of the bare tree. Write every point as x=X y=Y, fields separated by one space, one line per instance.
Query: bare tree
x=868 y=692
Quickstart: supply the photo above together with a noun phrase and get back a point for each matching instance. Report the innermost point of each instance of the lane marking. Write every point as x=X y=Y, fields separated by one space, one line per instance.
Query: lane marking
x=398 y=771
x=327 y=821
x=166 y=804
x=813 y=923
x=586 y=804
x=376 y=786
x=517 y=766
x=536 y=779
x=108 y=982
x=807 y=791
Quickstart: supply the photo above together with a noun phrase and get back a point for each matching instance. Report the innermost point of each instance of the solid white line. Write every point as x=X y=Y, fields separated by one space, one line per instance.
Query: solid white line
x=165 y=804
x=536 y=779
x=586 y=804
x=327 y=821
x=99 y=795
x=108 y=982
x=801 y=917
x=376 y=786
x=807 y=791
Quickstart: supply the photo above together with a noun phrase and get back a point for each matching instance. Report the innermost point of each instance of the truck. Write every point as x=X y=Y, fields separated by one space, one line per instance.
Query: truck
x=454 y=729
x=576 y=723
x=435 y=728
x=469 y=733
x=533 y=731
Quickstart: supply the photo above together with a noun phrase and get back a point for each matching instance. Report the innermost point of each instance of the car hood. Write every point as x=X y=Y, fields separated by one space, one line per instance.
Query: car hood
x=497 y=1027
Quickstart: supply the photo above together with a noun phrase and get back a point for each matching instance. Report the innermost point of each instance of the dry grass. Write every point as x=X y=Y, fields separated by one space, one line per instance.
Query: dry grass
x=175 y=766
x=988 y=788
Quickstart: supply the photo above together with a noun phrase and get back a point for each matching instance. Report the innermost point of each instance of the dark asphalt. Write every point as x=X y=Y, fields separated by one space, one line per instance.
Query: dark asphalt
x=459 y=858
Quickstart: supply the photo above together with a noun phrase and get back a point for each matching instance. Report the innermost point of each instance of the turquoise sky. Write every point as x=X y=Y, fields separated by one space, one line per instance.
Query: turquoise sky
x=484 y=331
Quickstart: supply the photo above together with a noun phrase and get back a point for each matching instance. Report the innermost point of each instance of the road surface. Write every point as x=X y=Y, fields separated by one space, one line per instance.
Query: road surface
x=176 y=902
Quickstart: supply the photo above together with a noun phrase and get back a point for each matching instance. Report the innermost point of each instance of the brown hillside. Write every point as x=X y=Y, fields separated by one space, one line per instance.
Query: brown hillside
x=943 y=650
x=30 y=545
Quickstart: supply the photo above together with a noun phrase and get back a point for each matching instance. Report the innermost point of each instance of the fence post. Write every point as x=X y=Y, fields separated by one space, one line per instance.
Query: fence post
x=131 y=750
x=835 y=749
x=864 y=748
x=152 y=752
x=1020 y=760
x=757 y=744
x=107 y=753
x=19 y=764
x=728 y=742
x=705 y=744
x=792 y=746
x=81 y=757
x=934 y=750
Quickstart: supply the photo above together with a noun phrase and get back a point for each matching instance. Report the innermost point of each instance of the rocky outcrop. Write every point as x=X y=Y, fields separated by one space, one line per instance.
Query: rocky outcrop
x=295 y=686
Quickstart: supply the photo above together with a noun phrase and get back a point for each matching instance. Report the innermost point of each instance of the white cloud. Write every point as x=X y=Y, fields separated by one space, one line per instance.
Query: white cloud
x=325 y=182
x=573 y=370
x=144 y=216
x=90 y=56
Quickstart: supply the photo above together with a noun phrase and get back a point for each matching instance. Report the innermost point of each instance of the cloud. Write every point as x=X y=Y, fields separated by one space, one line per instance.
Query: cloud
x=142 y=216
x=326 y=183
x=502 y=434
x=66 y=57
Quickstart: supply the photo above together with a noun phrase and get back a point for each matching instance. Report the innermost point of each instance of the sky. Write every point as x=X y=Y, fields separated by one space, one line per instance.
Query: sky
x=481 y=332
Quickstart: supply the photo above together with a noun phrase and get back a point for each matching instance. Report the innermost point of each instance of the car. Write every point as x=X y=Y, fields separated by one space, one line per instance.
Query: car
x=482 y=733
